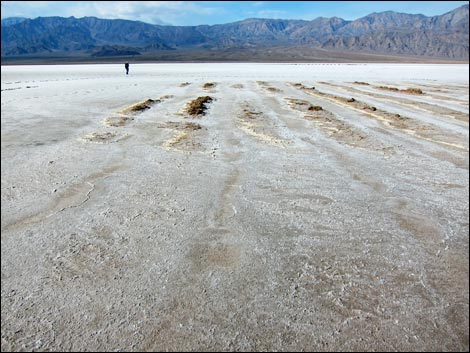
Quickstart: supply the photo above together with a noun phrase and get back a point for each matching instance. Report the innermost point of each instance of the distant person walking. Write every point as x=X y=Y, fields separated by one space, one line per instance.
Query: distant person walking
x=126 y=65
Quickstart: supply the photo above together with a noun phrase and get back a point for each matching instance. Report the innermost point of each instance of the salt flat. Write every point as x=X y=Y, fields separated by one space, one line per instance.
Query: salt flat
x=310 y=207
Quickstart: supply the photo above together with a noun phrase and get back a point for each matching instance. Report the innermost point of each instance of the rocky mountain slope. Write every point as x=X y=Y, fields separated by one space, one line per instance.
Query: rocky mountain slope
x=445 y=36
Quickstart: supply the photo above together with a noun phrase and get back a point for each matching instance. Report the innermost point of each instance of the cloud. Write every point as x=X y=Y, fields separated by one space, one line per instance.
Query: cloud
x=190 y=13
x=156 y=12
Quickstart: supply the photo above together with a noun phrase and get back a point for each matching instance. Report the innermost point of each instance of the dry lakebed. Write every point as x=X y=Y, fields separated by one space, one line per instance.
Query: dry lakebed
x=235 y=207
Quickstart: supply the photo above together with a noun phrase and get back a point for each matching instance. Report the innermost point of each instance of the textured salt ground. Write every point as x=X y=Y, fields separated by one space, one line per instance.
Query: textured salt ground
x=252 y=227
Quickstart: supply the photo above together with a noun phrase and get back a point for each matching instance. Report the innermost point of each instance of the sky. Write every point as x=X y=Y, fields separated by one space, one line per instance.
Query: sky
x=191 y=13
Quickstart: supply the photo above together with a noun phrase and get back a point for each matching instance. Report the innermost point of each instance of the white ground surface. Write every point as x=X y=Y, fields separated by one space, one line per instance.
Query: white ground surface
x=266 y=226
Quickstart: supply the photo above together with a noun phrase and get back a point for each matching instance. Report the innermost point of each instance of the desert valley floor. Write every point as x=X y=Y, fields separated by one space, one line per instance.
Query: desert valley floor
x=235 y=207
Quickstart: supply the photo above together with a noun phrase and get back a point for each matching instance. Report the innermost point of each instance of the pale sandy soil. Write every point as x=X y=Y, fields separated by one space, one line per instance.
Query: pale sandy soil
x=286 y=218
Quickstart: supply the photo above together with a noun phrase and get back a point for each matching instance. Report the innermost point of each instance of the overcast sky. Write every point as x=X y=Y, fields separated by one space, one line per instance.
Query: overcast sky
x=188 y=13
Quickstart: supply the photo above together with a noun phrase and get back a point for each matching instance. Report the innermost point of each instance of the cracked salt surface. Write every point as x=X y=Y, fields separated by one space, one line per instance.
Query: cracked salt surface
x=260 y=225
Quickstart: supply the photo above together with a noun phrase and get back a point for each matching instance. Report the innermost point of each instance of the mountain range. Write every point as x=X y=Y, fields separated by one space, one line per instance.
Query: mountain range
x=386 y=33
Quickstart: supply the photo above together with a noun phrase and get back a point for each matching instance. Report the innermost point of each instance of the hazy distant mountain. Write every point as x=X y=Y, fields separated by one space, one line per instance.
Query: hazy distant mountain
x=445 y=36
x=12 y=21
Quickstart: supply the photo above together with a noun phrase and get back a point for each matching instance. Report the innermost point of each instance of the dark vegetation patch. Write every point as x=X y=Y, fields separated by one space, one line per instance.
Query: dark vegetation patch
x=209 y=85
x=413 y=91
x=198 y=106
x=407 y=90
x=139 y=107
x=303 y=105
x=315 y=108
